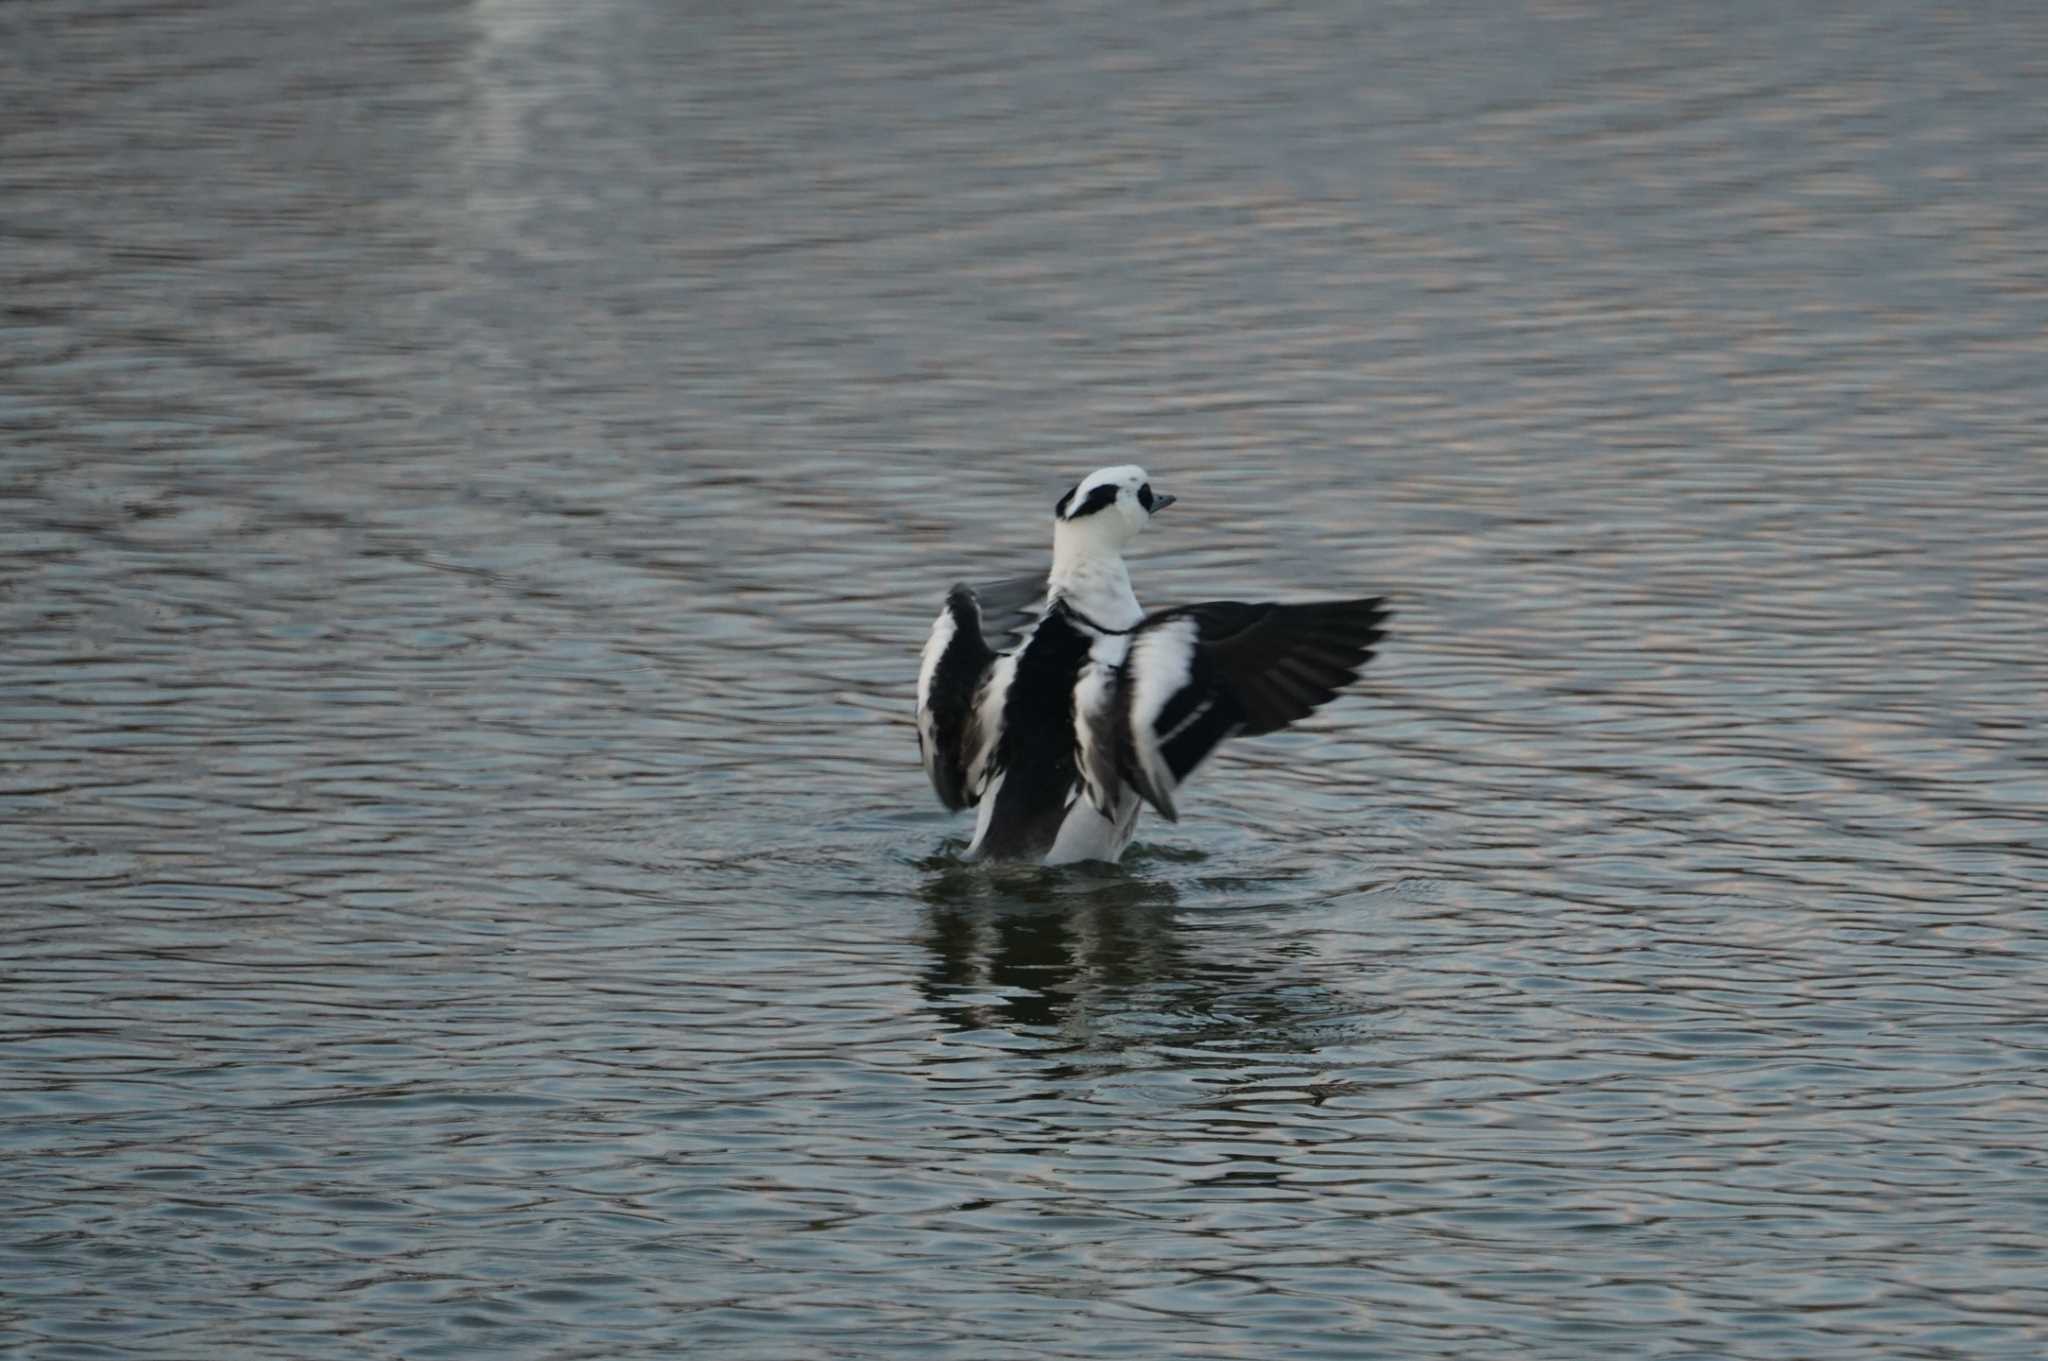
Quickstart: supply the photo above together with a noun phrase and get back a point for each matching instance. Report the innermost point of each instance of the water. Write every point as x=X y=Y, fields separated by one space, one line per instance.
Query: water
x=474 y=479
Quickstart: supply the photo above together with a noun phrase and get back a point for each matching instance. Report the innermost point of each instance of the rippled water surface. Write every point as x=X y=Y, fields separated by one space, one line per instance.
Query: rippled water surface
x=473 y=481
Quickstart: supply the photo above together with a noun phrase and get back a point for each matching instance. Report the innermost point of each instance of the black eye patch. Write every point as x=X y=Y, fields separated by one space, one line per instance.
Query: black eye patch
x=1103 y=496
x=1059 y=510
x=1145 y=497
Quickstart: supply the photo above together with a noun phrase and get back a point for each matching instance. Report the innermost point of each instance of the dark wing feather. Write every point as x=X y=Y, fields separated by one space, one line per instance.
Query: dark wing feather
x=976 y=623
x=1009 y=608
x=1201 y=673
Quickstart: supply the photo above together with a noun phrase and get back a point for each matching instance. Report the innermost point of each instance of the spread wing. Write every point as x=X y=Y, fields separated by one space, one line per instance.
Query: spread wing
x=975 y=625
x=1008 y=608
x=1196 y=675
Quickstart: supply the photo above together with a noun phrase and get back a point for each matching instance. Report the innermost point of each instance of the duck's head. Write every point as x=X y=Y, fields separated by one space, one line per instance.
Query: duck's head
x=1105 y=510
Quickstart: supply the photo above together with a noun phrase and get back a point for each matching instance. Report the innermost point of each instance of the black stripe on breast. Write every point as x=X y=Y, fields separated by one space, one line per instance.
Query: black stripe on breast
x=1036 y=752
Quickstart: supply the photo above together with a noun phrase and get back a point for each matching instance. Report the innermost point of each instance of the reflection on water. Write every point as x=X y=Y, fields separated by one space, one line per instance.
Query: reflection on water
x=473 y=483
x=1097 y=958
x=1033 y=949
x=997 y=967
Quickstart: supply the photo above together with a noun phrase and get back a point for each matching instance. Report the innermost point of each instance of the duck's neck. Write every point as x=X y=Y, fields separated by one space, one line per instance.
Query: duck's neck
x=1091 y=577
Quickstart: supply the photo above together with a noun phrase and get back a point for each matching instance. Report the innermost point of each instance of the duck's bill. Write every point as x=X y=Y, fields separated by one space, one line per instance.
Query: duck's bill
x=1160 y=502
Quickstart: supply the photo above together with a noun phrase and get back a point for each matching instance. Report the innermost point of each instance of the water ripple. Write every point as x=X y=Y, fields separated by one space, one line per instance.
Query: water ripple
x=471 y=488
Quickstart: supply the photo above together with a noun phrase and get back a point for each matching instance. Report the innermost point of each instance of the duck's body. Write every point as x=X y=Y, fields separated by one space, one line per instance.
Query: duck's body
x=1029 y=810
x=1056 y=706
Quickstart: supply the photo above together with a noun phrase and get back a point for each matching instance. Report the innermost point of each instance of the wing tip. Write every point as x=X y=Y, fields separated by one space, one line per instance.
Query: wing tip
x=956 y=658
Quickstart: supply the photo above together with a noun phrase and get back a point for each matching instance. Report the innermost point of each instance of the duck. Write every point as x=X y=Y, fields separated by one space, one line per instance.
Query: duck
x=1057 y=707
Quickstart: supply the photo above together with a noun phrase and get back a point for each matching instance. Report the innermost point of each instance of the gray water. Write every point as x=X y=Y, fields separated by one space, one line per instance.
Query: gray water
x=473 y=482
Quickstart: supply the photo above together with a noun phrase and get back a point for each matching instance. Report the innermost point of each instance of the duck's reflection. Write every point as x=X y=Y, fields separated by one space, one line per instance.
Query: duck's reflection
x=1105 y=959
x=1106 y=982
x=1019 y=947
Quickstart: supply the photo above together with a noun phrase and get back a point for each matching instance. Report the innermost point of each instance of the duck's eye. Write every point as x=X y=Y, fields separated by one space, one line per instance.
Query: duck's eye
x=1145 y=497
